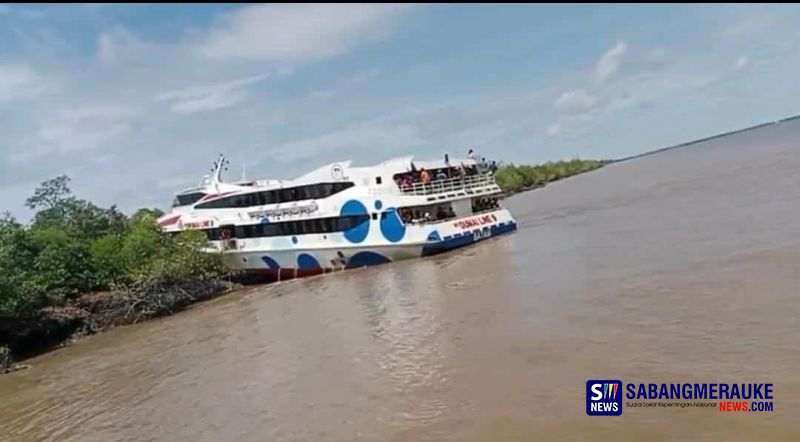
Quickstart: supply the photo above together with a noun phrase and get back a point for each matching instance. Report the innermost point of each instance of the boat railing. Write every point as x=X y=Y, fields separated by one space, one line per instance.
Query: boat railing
x=448 y=184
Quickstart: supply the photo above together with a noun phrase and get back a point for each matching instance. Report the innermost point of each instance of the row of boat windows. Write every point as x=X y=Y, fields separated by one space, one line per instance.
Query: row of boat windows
x=299 y=193
x=285 y=228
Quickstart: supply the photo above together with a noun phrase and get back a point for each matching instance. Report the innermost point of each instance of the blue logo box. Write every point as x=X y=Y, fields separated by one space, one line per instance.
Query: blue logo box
x=603 y=397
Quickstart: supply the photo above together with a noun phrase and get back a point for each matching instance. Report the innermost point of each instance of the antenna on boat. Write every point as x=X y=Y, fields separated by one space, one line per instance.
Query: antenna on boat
x=244 y=168
x=219 y=165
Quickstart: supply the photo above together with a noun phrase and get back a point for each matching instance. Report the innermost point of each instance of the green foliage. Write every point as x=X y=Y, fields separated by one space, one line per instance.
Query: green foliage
x=180 y=258
x=105 y=255
x=62 y=267
x=145 y=255
x=513 y=178
x=73 y=246
x=50 y=194
x=152 y=213
x=509 y=179
x=17 y=256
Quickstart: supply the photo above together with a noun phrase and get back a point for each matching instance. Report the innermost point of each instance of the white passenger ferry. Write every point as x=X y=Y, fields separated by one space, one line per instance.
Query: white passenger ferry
x=340 y=217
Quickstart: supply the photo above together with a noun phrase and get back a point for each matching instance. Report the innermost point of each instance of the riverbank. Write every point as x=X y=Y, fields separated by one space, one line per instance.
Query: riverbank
x=51 y=327
x=78 y=269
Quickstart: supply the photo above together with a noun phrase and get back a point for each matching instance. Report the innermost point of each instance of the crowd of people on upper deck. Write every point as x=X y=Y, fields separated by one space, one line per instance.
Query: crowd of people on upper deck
x=406 y=181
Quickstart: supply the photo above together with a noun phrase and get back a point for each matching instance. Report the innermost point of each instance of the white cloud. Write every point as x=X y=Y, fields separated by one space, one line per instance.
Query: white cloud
x=299 y=32
x=610 y=61
x=753 y=21
x=579 y=107
x=656 y=58
x=352 y=80
x=209 y=97
x=369 y=137
x=575 y=102
x=741 y=63
x=78 y=129
x=18 y=81
x=117 y=45
x=92 y=111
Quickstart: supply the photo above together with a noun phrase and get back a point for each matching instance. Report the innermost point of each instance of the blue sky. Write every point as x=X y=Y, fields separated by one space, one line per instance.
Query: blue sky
x=135 y=101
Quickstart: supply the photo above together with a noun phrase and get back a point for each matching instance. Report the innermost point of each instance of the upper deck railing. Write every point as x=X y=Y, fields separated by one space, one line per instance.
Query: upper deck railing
x=449 y=185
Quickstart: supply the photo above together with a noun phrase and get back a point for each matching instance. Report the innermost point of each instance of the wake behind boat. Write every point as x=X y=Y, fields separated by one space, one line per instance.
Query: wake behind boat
x=340 y=217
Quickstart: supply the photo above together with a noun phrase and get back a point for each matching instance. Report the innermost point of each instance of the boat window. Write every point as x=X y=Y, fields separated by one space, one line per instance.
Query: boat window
x=378 y=180
x=313 y=191
x=270 y=230
x=238 y=232
x=187 y=199
x=328 y=188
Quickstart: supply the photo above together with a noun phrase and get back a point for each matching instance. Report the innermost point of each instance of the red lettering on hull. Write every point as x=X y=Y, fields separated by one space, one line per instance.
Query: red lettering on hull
x=475 y=221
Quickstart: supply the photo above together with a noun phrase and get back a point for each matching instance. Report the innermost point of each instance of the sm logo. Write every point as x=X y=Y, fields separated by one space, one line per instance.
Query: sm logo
x=603 y=397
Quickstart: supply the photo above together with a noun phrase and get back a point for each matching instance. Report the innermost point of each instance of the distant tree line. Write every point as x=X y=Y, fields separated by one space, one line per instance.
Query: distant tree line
x=512 y=178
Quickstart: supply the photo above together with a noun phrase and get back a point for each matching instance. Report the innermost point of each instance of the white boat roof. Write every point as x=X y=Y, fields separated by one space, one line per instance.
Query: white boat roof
x=387 y=168
x=337 y=171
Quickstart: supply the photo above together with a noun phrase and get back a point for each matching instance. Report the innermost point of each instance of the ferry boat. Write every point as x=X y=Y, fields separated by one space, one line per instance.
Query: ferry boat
x=342 y=217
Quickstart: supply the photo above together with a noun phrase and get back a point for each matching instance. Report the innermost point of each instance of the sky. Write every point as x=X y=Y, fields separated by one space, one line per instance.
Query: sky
x=134 y=102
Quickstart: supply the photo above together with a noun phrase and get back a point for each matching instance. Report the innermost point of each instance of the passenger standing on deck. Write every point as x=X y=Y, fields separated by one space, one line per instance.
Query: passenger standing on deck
x=424 y=176
x=472 y=155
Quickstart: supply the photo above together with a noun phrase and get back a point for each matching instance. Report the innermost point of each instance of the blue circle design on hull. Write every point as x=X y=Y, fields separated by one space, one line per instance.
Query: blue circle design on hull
x=392 y=226
x=306 y=261
x=360 y=231
x=366 y=258
x=434 y=236
x=271 y=263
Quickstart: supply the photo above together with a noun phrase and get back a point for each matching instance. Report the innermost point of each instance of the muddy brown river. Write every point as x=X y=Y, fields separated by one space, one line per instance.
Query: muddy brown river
x=683 y=266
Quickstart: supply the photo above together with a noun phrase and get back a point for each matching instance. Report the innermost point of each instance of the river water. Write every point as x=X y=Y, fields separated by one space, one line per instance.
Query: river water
x=683 y=266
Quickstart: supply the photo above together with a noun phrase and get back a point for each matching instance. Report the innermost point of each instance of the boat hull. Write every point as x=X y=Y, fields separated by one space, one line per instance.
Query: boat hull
x=278 y=265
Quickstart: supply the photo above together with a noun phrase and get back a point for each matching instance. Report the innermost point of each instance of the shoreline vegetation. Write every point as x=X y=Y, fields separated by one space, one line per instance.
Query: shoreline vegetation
x=514 y=179
x=78 y=269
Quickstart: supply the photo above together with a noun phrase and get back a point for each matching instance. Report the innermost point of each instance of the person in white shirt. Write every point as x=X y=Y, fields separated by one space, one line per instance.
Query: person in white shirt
x=472 y=155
